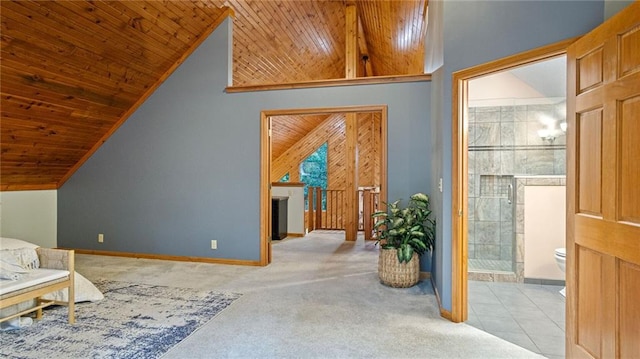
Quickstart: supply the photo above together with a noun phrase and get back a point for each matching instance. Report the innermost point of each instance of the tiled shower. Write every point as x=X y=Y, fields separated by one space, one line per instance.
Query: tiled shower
x=506 y=141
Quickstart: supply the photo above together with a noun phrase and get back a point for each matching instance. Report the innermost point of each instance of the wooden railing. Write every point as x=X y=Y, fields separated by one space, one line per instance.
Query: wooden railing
x=329 y=217
x=332 y=215
x=369 y=202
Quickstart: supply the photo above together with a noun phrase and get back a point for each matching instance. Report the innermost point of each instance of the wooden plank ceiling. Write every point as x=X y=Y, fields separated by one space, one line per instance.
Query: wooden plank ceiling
x=73 y=71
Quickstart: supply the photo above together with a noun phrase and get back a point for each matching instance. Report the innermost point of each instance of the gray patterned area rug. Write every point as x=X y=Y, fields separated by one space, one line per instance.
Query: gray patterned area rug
x=132 y=321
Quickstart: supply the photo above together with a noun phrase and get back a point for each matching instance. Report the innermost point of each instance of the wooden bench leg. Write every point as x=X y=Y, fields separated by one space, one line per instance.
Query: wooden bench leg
x=39 y=311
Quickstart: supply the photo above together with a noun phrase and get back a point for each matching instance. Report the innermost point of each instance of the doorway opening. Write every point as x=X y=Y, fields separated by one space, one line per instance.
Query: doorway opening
x=516 y=150
x=497 y=184
x=343 y=130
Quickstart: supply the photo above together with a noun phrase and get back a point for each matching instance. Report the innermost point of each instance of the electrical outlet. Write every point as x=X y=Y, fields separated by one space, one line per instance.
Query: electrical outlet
x=100 y=238
x=214 y=244
x=440 y=184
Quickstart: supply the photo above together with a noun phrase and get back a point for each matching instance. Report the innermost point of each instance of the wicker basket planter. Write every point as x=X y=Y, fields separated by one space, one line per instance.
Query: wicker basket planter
x=396 y=274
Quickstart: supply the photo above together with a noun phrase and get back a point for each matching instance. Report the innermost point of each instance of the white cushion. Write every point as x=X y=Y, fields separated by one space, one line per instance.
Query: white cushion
x=12 y=243
x=31 y=278
x=85 y=291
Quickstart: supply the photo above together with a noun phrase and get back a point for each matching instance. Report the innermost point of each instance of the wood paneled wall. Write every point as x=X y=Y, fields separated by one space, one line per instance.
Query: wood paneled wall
x=290 y=160
x=332 y=131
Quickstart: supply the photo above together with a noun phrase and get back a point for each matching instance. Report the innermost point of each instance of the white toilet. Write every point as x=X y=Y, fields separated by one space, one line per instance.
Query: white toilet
x=561 y=259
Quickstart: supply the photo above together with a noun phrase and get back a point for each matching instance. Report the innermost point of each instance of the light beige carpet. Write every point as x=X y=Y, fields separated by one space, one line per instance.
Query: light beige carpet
x=320 y=298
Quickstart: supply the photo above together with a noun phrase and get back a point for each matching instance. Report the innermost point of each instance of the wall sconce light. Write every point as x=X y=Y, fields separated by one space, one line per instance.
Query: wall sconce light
x=563 y=127
x=547 y=135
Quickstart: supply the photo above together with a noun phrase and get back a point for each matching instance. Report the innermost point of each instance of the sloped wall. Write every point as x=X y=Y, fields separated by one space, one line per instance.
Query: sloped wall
x=185 y=168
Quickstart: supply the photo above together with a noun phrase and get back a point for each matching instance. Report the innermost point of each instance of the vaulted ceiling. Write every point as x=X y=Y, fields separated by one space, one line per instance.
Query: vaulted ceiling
x=73 y=71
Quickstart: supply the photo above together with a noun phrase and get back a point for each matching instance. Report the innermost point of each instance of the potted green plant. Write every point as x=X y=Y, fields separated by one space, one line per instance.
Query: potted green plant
x=404 y=234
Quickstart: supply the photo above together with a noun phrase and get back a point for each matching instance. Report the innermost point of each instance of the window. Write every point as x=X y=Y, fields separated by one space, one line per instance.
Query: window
x=313 y=172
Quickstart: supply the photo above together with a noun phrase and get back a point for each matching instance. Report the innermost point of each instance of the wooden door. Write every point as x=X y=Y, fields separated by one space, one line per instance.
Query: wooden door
x=603 y=190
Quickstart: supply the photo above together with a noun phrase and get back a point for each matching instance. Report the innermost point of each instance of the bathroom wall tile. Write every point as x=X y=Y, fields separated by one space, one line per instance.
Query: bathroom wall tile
x=472 y=188
x=520 y=190
x=519 y=115
x=472 y=134
x=507 y=114
x=519 y=272
x=487 y=116
x=480 y=276
x=507 y=159
x=487 y=134
x=520 y=159
x=471 y=251
x=507 y=236
x=561 y=138
x=541 y=107
x=471 y=207
x=506 y=253
x=522 y=108
x=488 y=232
x=471 y=155
x=543 y=181
x=471 y=232
x=485 y=109
x=506 y=210
x=519 y=258
x=471 y=112
x=520 y=218
x=505 y=277
x=487 y=251
x=560 y=162
x=487 y=162
x=563 y=181
x=520 y=133
x=532 y=134
x=507 y=134
x=488 y=209
x=540 y=162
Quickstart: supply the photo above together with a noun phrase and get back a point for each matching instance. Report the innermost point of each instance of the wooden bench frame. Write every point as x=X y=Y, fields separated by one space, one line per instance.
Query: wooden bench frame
x=59 y=259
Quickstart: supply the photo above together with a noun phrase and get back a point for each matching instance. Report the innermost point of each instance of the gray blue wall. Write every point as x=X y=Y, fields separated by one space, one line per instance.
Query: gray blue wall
x=185 y=167
x=476 y=32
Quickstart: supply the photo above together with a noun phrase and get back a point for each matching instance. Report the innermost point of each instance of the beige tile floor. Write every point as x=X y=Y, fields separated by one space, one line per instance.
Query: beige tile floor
x=529 y=315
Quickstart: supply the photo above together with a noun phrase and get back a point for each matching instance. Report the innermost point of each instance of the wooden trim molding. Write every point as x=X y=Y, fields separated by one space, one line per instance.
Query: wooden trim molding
x=443 y=312
x=265 y=190
x=28 y=187
x=265 y=161
x=459 y=185
x=287 y=184
x=372 y=80
x=228 y=12
x=169 y=257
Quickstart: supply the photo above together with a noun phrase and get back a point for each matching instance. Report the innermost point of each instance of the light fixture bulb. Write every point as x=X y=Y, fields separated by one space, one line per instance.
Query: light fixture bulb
x=563 y=126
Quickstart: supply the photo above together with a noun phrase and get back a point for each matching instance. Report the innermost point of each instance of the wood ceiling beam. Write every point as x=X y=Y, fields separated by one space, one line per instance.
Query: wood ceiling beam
x=351 y=33
x=351 y=176
x=364 y=50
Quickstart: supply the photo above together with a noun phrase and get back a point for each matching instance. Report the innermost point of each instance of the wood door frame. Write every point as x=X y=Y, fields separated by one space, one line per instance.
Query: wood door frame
x=459 y=176
x=265 y=162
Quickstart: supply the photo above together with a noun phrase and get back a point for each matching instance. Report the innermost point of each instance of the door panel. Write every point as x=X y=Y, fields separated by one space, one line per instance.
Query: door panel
x=589 y=128
x=629 y=150
x=589 y=315
x=603 y=190
x=629 y=294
